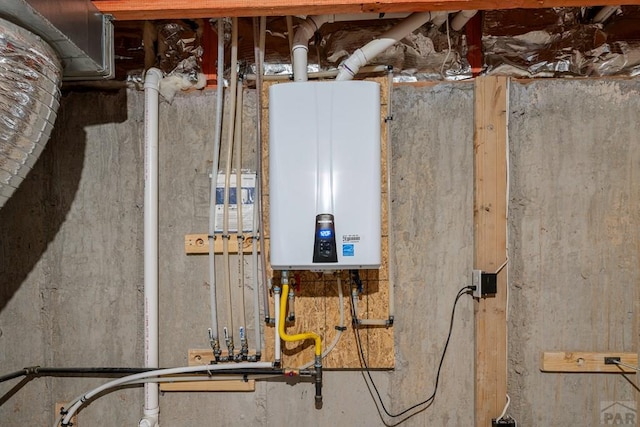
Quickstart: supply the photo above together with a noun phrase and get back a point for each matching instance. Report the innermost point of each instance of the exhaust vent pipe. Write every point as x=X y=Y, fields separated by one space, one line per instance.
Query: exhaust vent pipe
x=30 y=77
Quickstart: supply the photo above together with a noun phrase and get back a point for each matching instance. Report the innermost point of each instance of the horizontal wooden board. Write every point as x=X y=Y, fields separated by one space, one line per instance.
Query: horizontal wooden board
x=197 y=357
x=213 y=385
x=586 y=361
x=179 y=9
x=199 y=244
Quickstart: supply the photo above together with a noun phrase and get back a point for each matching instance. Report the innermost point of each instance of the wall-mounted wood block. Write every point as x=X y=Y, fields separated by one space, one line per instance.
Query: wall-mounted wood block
x=586 y=361
x=199 y=244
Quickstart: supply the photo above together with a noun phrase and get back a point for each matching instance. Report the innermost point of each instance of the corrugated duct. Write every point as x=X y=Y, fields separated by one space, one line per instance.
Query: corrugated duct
x=30 y=77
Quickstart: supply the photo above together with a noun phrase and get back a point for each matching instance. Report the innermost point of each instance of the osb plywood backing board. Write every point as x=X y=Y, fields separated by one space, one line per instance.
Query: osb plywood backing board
x=317 y=300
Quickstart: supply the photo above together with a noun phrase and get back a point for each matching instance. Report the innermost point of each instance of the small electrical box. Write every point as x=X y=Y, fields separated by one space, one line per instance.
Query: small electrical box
x=486 y=284
x=324 y=175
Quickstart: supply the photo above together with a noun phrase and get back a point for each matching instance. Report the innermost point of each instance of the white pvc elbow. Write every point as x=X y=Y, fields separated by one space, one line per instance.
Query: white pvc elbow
x=350 y=67
x=301 y=44
x=149 y=421
x=152 y=78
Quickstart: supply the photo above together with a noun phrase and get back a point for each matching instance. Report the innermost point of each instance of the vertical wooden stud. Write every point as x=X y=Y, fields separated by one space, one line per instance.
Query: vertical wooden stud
x=490 y=247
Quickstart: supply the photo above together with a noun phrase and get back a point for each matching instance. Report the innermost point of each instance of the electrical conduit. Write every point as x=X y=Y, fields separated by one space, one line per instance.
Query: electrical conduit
x=151 y=392
x=350 y=67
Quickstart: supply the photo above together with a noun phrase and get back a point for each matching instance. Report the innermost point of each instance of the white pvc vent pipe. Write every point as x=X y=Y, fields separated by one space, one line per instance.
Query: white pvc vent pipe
x=363 y=55
x=151 y=338
x=301 y=44
x=30 y=76
x=312 y=24
x=462 y=18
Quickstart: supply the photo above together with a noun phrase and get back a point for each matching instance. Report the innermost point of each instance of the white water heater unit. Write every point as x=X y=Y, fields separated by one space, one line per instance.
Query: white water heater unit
x=324 y=175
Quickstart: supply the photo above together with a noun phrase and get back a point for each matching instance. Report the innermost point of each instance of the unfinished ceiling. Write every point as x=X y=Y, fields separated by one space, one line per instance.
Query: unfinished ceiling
x=551 y=42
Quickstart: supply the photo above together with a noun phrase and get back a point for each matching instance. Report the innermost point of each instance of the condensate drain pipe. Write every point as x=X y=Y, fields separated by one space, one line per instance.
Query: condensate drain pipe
x=151 y=392
x=363 y=55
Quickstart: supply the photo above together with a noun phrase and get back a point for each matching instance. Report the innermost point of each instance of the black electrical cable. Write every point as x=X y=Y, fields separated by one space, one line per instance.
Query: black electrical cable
x=37 y=371
x=461 y=292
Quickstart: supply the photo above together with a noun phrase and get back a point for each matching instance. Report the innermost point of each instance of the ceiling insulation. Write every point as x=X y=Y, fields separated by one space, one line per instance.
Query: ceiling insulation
x=558 y=42
x=561 y=42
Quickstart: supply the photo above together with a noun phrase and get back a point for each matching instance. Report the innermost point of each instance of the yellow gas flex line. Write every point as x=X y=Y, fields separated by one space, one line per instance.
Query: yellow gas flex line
x=283 y=310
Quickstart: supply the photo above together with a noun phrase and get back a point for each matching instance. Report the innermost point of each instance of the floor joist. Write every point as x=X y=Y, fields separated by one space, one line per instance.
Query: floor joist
x=181 y=9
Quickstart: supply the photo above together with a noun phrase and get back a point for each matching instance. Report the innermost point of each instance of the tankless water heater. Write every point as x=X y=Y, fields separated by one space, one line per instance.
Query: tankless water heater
x=324 y=175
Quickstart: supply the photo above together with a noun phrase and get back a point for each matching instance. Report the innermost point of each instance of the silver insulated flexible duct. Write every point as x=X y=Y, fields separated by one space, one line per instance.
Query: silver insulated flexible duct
x=30 y=77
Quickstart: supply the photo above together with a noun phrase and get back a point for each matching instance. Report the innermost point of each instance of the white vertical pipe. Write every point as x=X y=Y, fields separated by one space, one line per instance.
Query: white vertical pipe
x=213 y=335
x=239 y=225
x=227 y=181
x=256 y=200
x=301 y=44
x=256 y=281
x=151 y=393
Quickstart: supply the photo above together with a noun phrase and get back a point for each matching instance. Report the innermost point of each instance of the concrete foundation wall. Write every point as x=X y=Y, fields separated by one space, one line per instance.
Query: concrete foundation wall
x=71 y=258
x=574 y=242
